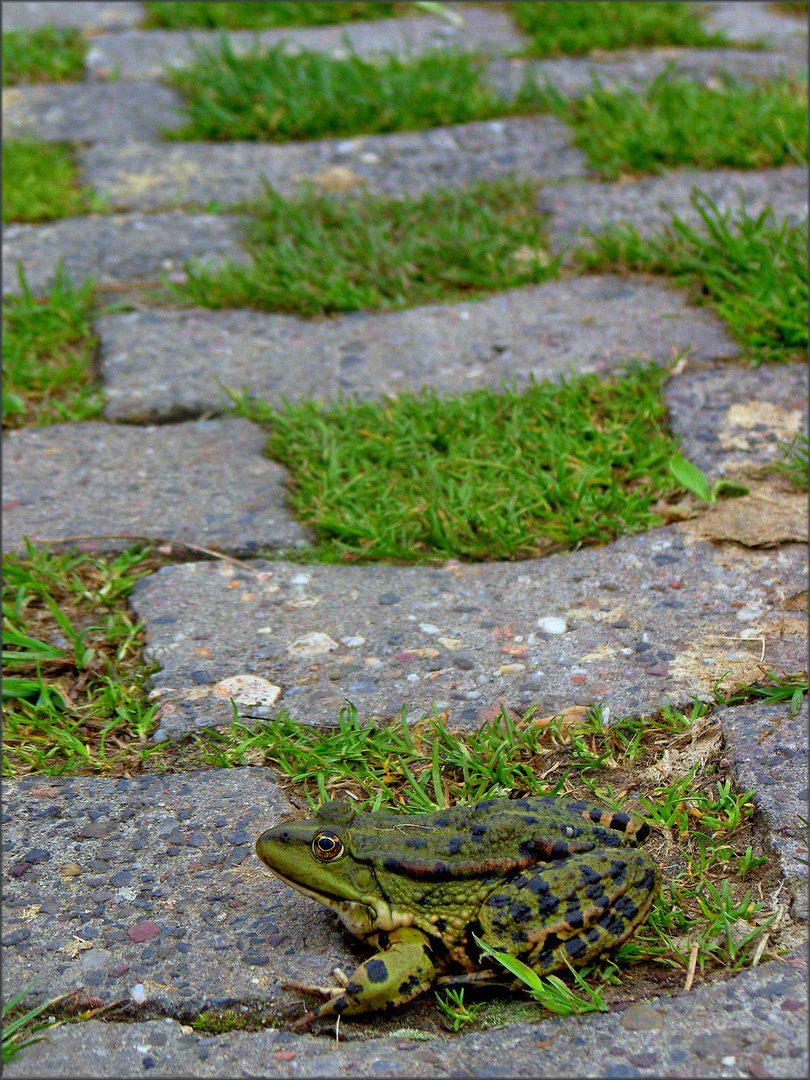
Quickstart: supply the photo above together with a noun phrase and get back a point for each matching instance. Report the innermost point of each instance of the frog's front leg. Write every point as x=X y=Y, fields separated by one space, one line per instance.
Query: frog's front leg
x=401 y=970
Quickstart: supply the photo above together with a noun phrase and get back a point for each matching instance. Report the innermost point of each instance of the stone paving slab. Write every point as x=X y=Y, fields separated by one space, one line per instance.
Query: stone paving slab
x=87 y=15
x=146 y=177
x=160 y=365
x=759 y=22
x=753 y=1025
x=649 y=203
x=649 y=619
x=89 y=112
x=573 y=75
x=731 y=419
x=120 y=249
x=154 y=882
x=204 y=482
x=767 y=748
x=146 y=54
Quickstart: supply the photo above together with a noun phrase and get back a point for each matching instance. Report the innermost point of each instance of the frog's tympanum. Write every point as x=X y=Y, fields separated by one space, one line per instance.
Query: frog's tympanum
x=547 y=880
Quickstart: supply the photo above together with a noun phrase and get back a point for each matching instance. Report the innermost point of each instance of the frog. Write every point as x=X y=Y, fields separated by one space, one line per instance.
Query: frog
x=549 y=880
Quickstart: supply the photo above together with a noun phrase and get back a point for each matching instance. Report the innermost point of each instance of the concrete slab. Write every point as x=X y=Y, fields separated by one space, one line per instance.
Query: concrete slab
x=143 y=177
x=744 y=21
x=146 y=54
x=154 y=882
x=647 y=620
x=758 y=1020
x=161 y=365
x=89 y=112
x=88 y=15
x=122 y=249
x=648 y=204
x=206 y=483
x=730 y=419
x=767 y=748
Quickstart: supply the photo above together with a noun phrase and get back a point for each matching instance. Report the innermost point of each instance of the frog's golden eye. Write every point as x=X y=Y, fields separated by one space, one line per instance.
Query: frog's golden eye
x=327 y=846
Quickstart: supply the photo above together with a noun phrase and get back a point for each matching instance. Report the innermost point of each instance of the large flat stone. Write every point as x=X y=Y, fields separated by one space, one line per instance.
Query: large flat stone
x=573 y=75
x=758 y=1019
x=205 y=482
x=144 y=177
x=160 y=365
x=121 y=249
x=87 y=15
x=730 y=419
x=162 y=889
x=146 y=54
x=759 y=21
x=649 y=619
x=767 y=747
x=89 y=112
x=648 y=204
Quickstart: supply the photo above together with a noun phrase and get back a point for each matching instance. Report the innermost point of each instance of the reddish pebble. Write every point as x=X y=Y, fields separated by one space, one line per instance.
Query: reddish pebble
x=19 y=868
x=405 y=657
x=659 y=669
x=120 y=969
x=284 y=1055
x=144 y=931
x=514 y=650
x=579 y=678
x=792 y=1006
x=675 y=583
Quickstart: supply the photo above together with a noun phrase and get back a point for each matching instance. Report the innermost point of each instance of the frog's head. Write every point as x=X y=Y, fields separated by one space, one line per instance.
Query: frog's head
x=314 y=856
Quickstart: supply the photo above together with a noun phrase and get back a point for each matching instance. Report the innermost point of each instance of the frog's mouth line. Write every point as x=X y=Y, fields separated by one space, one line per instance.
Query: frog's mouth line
x=379 y=914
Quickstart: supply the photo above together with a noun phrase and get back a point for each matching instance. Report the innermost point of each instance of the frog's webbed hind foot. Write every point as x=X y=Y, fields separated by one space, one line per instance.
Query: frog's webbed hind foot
x=341 y=979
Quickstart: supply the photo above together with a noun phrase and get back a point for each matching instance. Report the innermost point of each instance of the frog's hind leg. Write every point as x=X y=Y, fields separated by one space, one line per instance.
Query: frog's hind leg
x=571 y=911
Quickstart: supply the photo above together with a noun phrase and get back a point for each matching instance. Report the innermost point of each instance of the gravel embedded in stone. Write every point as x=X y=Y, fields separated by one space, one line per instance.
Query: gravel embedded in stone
x=119 y=249
x=145 y=54
x=204 y=482
x=729 y=419
x=93 y=15
x=677 y=595
x=140 y=176
x=160 y=365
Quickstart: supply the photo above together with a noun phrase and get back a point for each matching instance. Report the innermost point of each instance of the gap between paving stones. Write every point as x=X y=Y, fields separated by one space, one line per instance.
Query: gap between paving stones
x=169 y=365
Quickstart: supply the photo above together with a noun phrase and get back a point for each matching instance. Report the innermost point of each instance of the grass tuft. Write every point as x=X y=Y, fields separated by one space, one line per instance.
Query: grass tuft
x=48 y=353
x=482 y=476
x=275 y=97
x=261 y=15
x=49 y=54
x=41 y=183
x=315 y=255
x=751 y=270
x=575 y=29
x=675 y=121
x=72 y=663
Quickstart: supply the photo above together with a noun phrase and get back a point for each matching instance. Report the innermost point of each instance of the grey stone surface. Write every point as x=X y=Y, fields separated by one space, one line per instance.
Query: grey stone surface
x=648 y=204
x=143 y=177
x=573 y=75
x=767 y=748
x=160 y=365
x=730 y=419
x=745 y=21
x=120 y=249
x=649 y=619
x=171 y=860
x=753 y=1025
x=89 y=112
x=88 y=15
x=204 y=482
x=146 y=54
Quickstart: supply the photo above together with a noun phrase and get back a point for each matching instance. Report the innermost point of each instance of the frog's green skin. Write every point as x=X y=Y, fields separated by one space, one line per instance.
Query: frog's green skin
x=546 y=880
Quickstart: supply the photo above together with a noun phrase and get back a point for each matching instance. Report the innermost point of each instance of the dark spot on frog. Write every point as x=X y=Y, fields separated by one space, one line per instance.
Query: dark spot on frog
x=441 y=822
x=617 y=871
x=520 y=804
x=589 y=876
x=625 y=906
x=454 y=845
x=648 y=881
x=520 y=936
x=547 y=905
x=592 y=934
x=573 y=914
x=597 y=894
x=341 y=1004
x=529 y=820
x=620 y=821
x=411 y=983
x=520 y=912
x=415 y=842
x=353 y=987
x=611 y=923
x=487 y=804
x=376 y=970
x=575 y=947
x=498 y=900
x=477 y=831
x=441 y=924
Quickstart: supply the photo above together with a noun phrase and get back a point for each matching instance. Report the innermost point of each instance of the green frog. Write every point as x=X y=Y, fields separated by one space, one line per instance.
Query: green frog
x=547 y=880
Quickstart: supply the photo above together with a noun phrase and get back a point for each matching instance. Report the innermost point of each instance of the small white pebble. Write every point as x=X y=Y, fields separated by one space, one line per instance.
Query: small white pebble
x=413 y=677
x=301 y=579
x=429 y=628
x=354 y=641
x=552 y=625
x=729 y=1060
x=138 y=994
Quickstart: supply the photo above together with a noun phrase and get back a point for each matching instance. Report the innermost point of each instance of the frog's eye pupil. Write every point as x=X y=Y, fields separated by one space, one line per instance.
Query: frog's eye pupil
x=327 y=846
